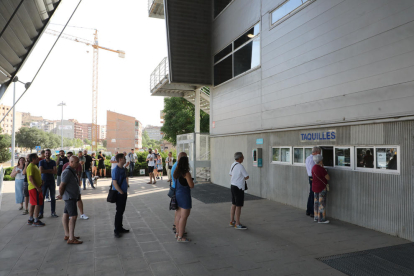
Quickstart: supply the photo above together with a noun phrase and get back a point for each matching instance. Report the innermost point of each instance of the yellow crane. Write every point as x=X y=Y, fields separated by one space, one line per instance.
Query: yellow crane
x=95 y=47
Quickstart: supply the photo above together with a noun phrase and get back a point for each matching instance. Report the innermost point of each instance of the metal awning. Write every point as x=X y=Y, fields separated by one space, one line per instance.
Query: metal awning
x=22 y=23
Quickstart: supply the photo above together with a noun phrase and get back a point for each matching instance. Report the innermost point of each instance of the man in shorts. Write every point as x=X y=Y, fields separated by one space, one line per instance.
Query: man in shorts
x=151 y=163
x=69 y=192
x=35 y=190
x=26 y=187
x=238 y=179
x=79 y=174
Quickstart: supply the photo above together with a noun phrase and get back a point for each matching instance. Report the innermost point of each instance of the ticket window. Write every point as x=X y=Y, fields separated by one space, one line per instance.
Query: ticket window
x=257 y=157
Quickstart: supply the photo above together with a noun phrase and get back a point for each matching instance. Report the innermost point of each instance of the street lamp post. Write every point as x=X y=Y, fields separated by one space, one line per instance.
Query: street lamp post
x=26 y=85
x=62 y=104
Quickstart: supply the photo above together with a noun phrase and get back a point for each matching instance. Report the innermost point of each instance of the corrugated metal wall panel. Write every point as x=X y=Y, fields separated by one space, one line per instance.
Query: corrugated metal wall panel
x=380 y=201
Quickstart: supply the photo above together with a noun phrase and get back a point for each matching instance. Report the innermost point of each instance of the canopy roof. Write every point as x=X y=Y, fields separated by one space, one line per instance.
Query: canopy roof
x=22 y=23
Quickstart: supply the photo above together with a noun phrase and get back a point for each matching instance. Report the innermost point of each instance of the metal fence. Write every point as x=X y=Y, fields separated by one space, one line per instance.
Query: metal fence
x=159 y=74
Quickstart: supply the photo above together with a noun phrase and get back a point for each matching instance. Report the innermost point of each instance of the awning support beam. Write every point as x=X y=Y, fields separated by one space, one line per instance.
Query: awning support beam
x=11 y=18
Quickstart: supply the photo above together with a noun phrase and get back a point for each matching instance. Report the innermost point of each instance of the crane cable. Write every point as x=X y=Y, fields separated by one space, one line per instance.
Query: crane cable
x=44 y=60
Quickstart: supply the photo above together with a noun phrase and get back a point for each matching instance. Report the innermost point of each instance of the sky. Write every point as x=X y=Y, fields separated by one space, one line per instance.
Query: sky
x=123 y=84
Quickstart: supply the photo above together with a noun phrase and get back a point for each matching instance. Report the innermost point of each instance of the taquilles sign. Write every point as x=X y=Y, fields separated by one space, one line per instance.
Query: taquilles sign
x=316 y=136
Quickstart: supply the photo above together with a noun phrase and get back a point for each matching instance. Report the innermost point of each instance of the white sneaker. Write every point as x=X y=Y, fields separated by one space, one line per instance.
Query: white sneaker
x=84 y=216
x=326 y=221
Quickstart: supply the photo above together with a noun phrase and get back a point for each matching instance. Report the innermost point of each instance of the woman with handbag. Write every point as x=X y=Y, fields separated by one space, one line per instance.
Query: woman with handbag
x=320 y=188
x=183 y=184
x=18 y=175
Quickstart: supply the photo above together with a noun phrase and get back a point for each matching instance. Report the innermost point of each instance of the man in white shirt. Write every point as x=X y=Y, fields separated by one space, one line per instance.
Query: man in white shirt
x=238 y=183
x=132 y=156
x=309 y=166
x=151 y=162
x=114 y=163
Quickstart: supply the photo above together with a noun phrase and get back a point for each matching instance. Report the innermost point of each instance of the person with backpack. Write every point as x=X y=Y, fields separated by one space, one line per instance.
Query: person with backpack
x=239 y=176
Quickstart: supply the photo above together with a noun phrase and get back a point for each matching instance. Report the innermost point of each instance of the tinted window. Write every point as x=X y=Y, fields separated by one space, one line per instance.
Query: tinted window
x=308 y=151
x=285 y=9
x=342 y=157
x=222 y=53
x=247 y=57
x=219 y=6
x=365 y=157
x=386 y=158
x=275 y=154
x=247 y=36
x=298 y=155
x=223 y=71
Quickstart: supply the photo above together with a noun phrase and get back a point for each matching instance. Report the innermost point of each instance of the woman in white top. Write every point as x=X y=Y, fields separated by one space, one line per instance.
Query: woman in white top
x=169 y=162
x=18 y=175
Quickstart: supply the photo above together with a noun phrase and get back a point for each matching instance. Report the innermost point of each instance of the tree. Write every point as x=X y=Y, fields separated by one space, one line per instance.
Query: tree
x=5 y=143
x=30 y=137
x=104 y=143
x=179 y=118
x=87 y=142
x=149 y=143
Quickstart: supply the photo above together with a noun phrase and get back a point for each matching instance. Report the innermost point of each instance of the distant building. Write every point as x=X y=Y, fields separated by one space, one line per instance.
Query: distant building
x=122 y=132
x=102 y=132
x=27 y=118
x=45 y=125
x=68 y=129
x=7 y=123
x=154 y=132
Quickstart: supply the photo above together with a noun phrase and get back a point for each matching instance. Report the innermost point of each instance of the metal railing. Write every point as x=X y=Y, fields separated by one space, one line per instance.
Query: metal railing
x=206 y=90
x=159 y=74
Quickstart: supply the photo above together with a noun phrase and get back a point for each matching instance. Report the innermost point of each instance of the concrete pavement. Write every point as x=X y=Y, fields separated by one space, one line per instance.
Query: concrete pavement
x=280 y=240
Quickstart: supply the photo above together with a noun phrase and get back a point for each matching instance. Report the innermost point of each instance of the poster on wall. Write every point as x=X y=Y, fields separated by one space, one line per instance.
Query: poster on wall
x=341 y=161
x=142 y=172
x=381 y=159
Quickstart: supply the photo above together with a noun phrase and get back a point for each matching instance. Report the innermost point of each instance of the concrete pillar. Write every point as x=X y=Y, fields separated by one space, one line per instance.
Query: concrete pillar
x=197 y=110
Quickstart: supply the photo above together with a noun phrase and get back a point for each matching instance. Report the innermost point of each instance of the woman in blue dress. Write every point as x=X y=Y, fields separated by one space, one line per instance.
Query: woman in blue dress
x=183 y=185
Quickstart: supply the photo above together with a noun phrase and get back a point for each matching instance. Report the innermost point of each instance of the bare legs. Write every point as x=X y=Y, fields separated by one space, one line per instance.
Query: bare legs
x=151 y=175
x=235 y=212
x=34 y=210
x=80 y=206
x=182 y=221
x=26 y=202
x=69 y=224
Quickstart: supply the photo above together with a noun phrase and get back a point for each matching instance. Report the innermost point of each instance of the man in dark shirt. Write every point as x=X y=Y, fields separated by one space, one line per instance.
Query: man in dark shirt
x=48 y=169
x=69 y=192
x=61 y=161
x=120 y=184
x=101 y=164
x=88 y=169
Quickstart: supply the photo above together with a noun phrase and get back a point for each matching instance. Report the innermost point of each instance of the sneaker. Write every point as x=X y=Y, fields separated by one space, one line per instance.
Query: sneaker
x=84 y=216
x=232 y=223
x=54 y=215
x=40 y=216
x=315 y=219
x=30 y=222
x=48 y=200
x=84 y=189
x=38 y=223
x=25 y=212
x=240 y=227
x=325 y=221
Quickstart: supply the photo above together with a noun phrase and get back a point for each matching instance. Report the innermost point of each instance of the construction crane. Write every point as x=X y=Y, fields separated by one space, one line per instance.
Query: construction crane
x=96 y=48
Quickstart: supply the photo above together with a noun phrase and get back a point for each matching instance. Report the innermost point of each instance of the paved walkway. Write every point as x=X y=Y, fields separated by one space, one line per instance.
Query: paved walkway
x=280 y=240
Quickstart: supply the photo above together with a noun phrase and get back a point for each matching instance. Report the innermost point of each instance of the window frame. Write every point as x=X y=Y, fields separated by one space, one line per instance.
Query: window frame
x=304 y=157
x=375 y=169
x=352 y=157
x=214 y=17
x=287 y=16
x=280 y=155
x=233 y=50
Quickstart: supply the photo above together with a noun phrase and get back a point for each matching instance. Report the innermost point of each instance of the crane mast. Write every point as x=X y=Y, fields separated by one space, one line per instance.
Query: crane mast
x=95 y=129
x=96 y=47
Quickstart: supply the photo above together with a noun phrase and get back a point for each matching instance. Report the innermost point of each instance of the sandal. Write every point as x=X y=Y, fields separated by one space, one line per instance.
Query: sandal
x=75 y=241
x=21 y=208
x=67 y=238
x=183 y=239
x=149 y=183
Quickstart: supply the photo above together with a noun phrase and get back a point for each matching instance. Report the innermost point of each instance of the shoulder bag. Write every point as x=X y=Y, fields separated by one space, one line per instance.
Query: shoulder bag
x=245 y=182
x=113 y=194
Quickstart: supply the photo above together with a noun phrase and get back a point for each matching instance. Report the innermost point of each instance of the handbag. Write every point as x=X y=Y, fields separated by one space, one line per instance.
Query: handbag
x=112 y=195
x=173 y=202
x=171 y=192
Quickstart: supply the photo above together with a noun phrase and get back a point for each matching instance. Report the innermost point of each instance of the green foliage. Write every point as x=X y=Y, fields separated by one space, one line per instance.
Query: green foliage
x=8 y=178
x=5 y=143
x=104 y=143
x=87 y=141
x=179 y=118
x=8 y=171
x=149 y=143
